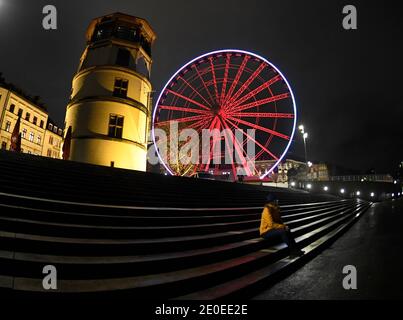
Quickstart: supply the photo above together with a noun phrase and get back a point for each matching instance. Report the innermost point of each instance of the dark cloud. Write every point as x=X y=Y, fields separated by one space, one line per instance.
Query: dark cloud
x=347 y=83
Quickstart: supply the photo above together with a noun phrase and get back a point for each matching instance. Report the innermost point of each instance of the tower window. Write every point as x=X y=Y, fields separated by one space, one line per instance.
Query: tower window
x=50 y=140
x=120 y=88
x=27 y=116
x=123 y=57
x=31 y=136
x=115 y=126
x=24 y=133
x=35 y=120
x=20 y=112
x=41 y=124
x=12 y=107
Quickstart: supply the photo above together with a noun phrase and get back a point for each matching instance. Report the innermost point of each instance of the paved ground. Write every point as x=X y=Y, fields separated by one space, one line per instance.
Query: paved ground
x=374 y=245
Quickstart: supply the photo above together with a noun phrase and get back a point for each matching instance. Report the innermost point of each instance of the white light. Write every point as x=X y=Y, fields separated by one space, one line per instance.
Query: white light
x=358 y=193
x=309 y=186
x=342 y=190
x=292 y=184
x=395 y=182
x=398 y=194
x=393 y=194
x=305 y=135
x=301 y=127
x=325 y=188
x=372 y=194
x=309 y=164
x=362 y=180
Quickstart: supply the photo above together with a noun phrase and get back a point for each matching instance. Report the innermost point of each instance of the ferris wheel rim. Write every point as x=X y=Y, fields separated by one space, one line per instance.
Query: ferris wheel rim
x=229 y=51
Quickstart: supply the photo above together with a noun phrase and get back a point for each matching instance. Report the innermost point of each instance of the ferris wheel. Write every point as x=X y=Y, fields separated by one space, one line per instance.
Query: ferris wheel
x=231 y=90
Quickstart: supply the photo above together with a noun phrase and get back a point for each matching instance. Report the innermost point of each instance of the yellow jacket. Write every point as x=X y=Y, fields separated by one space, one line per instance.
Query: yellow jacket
x=270 y=219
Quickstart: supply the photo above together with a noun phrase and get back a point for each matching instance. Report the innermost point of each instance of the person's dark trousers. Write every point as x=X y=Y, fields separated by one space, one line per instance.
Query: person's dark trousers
x=285 y=235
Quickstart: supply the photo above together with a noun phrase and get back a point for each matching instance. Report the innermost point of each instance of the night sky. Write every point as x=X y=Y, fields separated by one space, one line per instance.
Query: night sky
x=347 y=84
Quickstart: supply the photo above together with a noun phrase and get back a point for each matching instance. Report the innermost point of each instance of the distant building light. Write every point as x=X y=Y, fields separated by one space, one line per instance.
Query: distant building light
x=358 y=193
x=362 y=180
x=305 y=135
x=308 y=186
x=325 y=188
x=342 y=190
x=393 y=195
x=309 y=164
x=372 y=194
x=293 y=184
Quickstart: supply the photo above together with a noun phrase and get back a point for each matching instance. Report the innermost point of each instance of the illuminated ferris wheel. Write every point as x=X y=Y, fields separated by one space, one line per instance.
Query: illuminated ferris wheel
x=229 y=90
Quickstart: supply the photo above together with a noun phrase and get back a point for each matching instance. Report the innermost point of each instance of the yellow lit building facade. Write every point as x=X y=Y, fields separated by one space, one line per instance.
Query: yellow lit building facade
x=109 y=109
x=39 y=135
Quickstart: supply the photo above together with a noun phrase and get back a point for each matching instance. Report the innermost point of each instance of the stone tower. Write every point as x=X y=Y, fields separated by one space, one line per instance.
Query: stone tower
x=109 y=109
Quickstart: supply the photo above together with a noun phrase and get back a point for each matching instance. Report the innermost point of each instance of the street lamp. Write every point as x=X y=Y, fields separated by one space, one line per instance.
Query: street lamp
x=304 y=136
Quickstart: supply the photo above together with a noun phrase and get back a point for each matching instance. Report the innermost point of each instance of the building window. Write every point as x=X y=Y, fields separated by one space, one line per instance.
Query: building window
x=8 y=126
x=38 y=139
x=55 y=129
x=4 y=145
x=50 y=126
x=27 y=116
x=120 y=89
x=24 y=133
x=41 y=125
x=29 y=152
x=123 y=57
x=12 y=107
x=20 y=112
x=31 y=136
x=60 y=132
x=51 y=140
x=115 y=126
x=49 y=153
x=35 y=120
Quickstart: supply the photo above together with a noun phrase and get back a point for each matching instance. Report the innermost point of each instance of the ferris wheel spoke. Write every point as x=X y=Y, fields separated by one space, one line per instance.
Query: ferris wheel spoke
x=260 y=102
x=255 y=141
x=262 y=115
x=195 y=91
x=237 y=77
x=204 y=84
x=214 y=80
x=257 y=127
x=177 y=108
x=188 y=99
x=207 y=165
x=200 y=124
x=184 y=119
x=239 y=150
x=254 y=92
x=248 y=82
x=224 y=83
x=229 y=151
